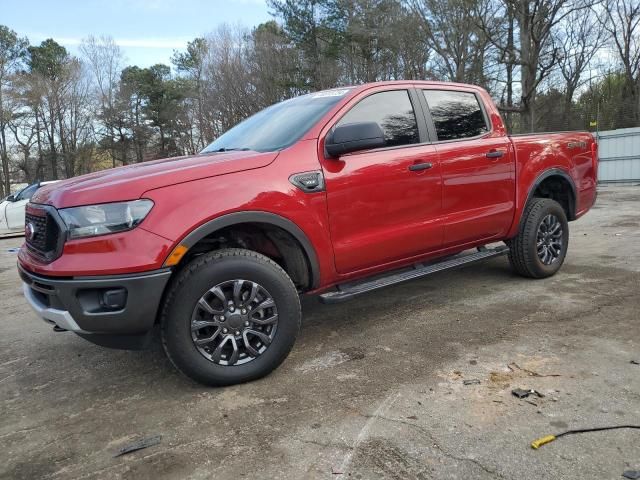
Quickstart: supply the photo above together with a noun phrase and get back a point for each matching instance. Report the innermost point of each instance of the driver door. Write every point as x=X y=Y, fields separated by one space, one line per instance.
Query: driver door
x=384 y=205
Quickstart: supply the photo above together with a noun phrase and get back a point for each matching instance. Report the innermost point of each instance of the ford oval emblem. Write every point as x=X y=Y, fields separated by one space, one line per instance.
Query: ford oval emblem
x=30 y=231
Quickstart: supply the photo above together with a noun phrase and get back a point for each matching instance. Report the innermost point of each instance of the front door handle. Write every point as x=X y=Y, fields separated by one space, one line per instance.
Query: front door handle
x=420 y=166
x=495 y=154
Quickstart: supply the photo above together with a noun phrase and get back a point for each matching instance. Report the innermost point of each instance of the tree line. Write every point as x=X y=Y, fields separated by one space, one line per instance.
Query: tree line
x=549 y=64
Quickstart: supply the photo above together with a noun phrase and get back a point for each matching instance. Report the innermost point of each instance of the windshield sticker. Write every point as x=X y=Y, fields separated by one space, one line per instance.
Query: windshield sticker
x=331 y=93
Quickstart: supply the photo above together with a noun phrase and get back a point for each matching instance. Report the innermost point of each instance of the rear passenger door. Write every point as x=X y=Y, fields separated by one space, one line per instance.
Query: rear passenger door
x=478 y=171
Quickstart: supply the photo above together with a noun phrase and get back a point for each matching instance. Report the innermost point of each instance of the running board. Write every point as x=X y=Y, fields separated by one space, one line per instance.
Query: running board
x=348 y=290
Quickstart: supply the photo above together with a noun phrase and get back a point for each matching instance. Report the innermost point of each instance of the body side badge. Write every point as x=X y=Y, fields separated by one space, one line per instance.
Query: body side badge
x=308 y=182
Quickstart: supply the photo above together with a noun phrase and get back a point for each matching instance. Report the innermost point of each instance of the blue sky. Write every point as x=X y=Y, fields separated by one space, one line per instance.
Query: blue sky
x=147 y=30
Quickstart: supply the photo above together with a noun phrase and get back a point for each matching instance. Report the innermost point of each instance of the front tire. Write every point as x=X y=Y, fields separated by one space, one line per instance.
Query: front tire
x=230 y=316
x=539 y=249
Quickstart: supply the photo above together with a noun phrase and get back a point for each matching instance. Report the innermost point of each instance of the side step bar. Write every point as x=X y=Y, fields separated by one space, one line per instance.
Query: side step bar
x=348 y=290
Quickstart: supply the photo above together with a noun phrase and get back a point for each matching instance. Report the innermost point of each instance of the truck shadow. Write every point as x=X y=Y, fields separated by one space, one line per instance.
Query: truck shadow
x=427 y=292
x=115 y=369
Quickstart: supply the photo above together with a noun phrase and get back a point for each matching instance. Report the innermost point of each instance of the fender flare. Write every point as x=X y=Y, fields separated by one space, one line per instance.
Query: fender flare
x=237 y=218
x=551 y=173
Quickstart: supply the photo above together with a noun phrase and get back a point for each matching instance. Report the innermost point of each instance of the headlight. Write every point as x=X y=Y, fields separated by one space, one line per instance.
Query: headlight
x=104 y=218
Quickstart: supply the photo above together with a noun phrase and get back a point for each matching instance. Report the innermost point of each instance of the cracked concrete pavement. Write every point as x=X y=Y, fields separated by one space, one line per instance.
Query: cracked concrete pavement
x=374 y=388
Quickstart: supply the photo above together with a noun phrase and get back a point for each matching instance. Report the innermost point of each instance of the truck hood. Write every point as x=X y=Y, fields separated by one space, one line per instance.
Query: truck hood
x=132 y=181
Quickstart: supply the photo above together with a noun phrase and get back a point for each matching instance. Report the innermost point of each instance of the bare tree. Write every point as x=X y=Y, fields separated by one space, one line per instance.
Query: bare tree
x=12 y=54
x=230 y=91
x=622 y=22
x=192 y=64
x=105 y=61
x=452 y=31
x=25 y=137
x=579 y=38
x=533 y=49
x=78 y=119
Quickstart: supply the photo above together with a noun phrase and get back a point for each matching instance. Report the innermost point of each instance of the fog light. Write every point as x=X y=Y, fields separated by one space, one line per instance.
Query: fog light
x=114 y=299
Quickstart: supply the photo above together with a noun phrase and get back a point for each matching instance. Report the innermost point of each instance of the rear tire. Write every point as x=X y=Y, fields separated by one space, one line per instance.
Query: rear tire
x=539 y=249
x=230 y=316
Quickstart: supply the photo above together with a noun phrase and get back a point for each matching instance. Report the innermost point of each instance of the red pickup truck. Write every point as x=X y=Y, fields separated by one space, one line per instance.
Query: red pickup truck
x=336 y=193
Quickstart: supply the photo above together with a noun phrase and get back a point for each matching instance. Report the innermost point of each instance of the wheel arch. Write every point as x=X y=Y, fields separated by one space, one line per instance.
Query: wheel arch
x=546 y=178
x=239 y=219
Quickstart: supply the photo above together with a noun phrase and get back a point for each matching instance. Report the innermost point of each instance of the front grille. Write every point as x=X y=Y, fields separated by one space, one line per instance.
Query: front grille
x=42 y=232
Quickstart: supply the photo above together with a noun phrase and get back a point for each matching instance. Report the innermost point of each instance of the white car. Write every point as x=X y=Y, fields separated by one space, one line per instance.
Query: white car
x=12 y=209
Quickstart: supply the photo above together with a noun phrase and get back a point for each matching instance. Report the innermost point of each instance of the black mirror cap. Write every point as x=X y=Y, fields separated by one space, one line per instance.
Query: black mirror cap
x=353 y=137
x=11 y=198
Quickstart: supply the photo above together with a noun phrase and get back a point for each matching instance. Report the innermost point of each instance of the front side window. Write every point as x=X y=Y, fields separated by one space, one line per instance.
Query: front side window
x=456 y=115
x=392 y=111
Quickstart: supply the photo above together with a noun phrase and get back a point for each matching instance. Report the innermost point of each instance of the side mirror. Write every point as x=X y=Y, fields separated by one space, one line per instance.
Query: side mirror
x=353 y=137
x=11 y=198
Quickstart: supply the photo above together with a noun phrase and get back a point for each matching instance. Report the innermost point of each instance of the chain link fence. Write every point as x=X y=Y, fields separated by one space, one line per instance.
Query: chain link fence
x=592 y=117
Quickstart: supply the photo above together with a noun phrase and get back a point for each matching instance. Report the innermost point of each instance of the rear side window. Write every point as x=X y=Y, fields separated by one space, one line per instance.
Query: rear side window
x=392 y=111
x=455 y=114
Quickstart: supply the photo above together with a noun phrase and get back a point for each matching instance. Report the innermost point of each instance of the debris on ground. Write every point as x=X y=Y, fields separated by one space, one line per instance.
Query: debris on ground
x=522 y=393
x=634 y=362
x=471 y=381
x=12 y=250
x=536 y=444
x=513 y=365
x=631 y=474
x=139 y=445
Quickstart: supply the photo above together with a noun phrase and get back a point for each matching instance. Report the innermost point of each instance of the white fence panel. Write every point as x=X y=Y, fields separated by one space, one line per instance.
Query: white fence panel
x=619 y=152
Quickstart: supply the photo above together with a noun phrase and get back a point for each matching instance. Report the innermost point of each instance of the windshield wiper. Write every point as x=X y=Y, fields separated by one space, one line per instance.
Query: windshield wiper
x=230 y=149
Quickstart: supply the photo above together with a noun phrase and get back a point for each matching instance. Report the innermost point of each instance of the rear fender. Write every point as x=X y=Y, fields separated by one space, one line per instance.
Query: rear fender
x=534 y=186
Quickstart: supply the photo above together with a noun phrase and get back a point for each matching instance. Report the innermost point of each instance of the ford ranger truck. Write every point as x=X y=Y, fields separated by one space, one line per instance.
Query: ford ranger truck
x=335 y=193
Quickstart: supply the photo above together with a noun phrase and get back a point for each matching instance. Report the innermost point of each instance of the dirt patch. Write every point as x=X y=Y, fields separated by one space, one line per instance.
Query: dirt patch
x=385 y=460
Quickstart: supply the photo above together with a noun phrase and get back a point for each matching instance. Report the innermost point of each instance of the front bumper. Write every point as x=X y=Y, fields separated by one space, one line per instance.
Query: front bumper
x=110 y=304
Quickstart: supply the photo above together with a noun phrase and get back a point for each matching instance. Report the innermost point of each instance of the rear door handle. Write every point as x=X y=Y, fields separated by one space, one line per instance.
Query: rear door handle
x=420 y=166
x=495 y=154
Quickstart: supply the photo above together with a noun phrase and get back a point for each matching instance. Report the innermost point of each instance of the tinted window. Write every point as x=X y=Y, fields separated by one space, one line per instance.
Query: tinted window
x=392 y=111
x=279 y=125
x=455 y=114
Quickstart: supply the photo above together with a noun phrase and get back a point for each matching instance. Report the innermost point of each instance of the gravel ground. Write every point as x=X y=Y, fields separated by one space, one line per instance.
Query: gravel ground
x=374 y=388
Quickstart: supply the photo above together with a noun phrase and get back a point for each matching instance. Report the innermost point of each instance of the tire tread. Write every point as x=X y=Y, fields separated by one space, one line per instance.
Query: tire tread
x=522 y=258
x=191 y=268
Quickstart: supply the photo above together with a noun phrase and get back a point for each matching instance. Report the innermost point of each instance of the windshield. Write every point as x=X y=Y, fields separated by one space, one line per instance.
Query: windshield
x=278 y=126
x=26 y=193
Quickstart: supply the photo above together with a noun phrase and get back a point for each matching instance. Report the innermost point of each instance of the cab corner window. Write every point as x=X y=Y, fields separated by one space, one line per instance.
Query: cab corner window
x=456 y=115
x=391 y=110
